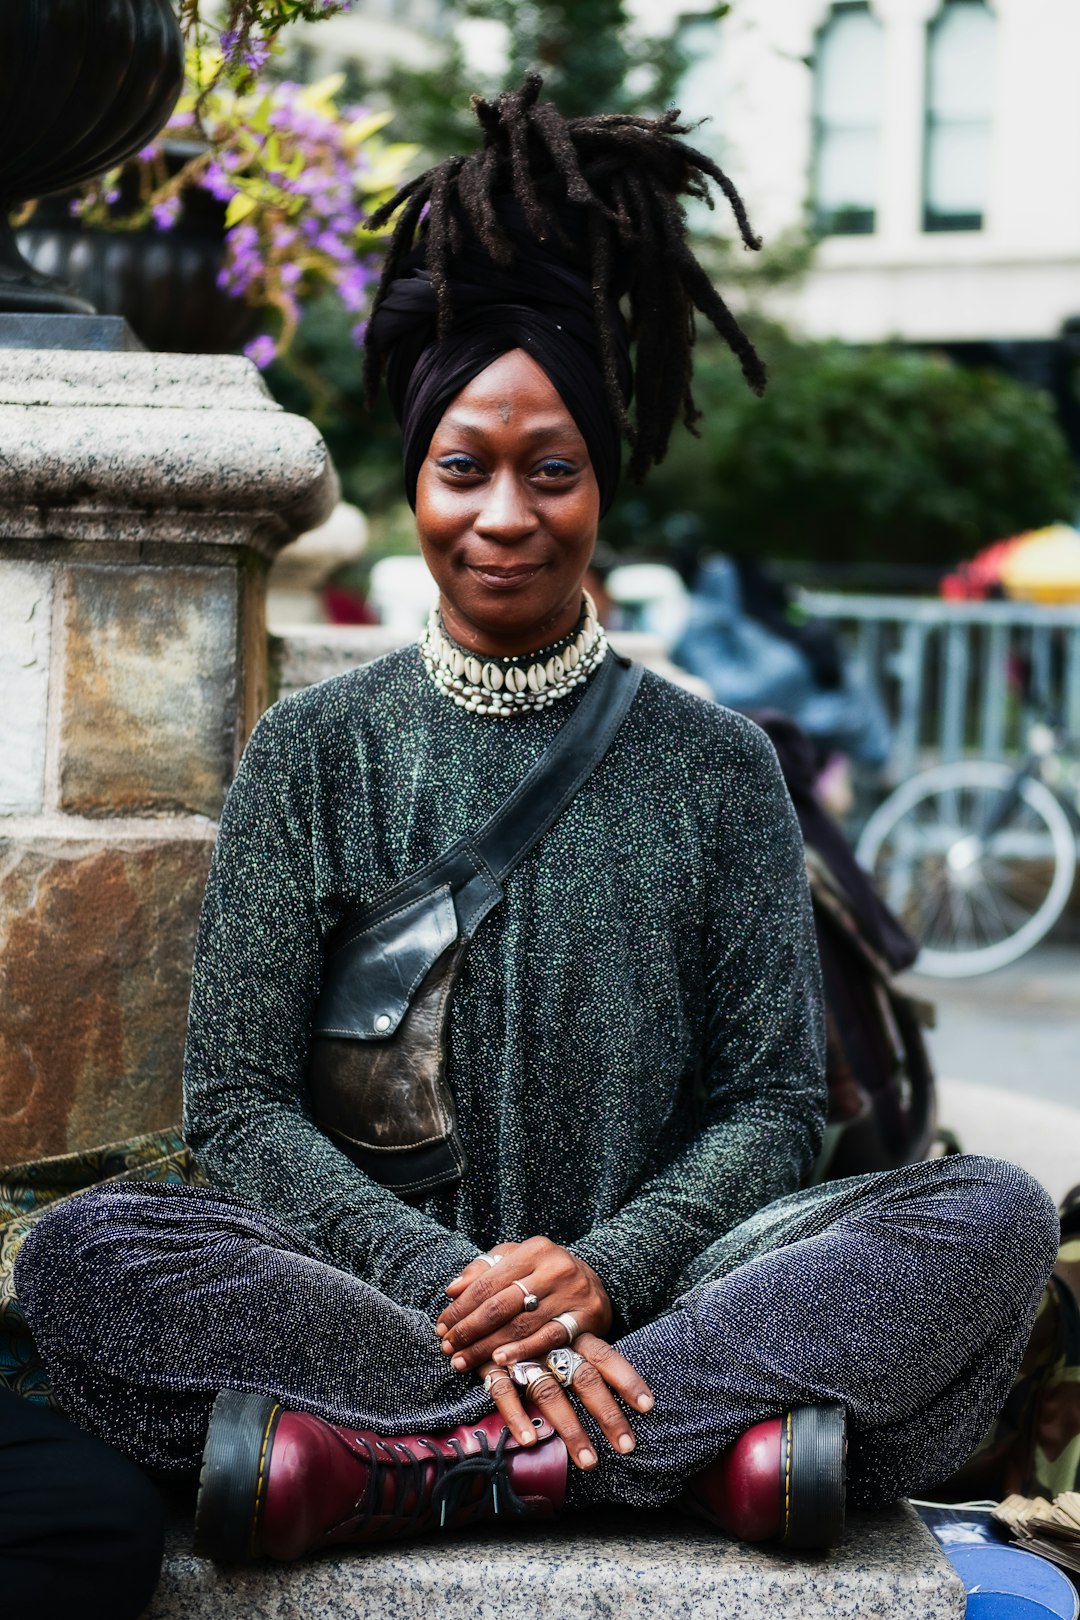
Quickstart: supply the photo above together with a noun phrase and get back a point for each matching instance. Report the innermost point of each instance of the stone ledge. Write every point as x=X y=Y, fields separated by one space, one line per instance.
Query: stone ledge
x=70 y=377
x=636 y=1566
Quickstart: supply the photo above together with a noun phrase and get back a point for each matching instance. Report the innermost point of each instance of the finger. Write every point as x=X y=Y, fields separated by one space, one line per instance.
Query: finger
x=479 y=1268
x=549 y=1336
x=596 y=1397
x=493 y=1280
x=486 y=1349
x=615 y=1370
x=495 y=1312
x=470 y=1274
x=508 y=1404
x=550 y=1400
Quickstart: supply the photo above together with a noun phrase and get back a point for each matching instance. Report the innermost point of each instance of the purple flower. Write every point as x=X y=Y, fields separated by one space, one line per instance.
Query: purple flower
x=359 y=332
x=230 y=38
x=147 y=154
x=217 y=182
x=262 y=350
x=166 y=213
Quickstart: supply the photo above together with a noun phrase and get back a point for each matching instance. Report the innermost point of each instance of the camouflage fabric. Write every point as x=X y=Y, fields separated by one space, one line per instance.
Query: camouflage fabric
x=27 y=1190
x=1034 y=1447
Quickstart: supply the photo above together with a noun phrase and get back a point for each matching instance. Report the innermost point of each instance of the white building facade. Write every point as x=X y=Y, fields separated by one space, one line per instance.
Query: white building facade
x=934 y=142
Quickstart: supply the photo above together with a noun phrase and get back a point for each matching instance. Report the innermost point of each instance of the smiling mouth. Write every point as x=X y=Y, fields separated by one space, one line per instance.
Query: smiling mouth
x=505 y=579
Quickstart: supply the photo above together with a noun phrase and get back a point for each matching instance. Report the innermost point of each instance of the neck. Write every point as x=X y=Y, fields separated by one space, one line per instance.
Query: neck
x=515 y=644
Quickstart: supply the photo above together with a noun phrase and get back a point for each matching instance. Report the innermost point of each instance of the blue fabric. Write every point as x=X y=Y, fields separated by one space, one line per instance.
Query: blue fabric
x=747 y=666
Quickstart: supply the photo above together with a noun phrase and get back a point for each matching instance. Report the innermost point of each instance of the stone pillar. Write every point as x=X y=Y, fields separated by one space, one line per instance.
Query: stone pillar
x=142 y=497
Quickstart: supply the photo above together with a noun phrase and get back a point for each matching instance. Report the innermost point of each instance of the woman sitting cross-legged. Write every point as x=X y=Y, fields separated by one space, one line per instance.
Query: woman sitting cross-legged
x=505 y=1093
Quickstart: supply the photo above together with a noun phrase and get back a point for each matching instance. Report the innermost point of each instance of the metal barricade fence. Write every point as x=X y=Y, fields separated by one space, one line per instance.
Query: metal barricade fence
x=953 y=675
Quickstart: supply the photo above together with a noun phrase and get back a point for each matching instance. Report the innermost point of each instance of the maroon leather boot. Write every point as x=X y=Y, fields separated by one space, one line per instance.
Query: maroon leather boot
x=783 y=1480
x=281 y=1484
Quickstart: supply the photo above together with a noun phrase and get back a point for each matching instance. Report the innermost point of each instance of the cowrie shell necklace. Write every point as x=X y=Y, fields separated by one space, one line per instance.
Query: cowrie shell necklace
x=508 y=686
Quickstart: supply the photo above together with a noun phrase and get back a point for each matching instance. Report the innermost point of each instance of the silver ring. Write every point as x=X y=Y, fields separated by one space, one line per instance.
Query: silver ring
x=530 y=1301
x=492 y=1259
x=563 y=1364
x=570 y=1322
x=528 y=1373
x=493 y=1379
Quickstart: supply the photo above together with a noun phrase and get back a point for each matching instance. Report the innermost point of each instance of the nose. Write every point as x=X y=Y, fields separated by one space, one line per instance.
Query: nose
x=506 y=513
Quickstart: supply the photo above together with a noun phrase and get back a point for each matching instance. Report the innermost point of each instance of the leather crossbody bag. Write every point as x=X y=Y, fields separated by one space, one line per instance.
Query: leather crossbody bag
x=376 y=1069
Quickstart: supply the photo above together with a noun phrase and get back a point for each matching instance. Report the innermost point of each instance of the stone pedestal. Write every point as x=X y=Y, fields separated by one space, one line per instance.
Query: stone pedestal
x=638 y=1566
x=142 y=498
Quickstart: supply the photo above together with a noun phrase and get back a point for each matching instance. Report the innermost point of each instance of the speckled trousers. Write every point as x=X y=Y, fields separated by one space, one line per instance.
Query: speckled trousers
x=908 y=1297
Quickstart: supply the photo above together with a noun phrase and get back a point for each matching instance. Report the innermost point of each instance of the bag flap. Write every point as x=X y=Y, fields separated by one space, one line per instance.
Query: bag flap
x=369 y=981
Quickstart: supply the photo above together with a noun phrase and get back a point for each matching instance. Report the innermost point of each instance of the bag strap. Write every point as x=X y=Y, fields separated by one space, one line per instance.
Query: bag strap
x=475 y=866
x=553 y=782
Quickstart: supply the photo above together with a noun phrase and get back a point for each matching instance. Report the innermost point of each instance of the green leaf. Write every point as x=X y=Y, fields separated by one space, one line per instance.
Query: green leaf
x=239 y=208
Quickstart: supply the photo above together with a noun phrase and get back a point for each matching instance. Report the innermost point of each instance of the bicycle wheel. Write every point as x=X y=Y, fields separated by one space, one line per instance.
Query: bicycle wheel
x=974 y=900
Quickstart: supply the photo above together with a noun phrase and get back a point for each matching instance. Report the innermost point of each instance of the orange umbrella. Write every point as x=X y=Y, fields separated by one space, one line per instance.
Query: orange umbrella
x=1044 y=566
x=1040 y=566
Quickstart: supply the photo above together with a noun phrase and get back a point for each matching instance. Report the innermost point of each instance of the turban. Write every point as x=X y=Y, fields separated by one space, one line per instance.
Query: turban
x=541 y=304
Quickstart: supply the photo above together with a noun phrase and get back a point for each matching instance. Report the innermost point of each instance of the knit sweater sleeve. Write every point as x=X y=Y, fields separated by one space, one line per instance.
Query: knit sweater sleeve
x=255 y=982
x=763 y=1063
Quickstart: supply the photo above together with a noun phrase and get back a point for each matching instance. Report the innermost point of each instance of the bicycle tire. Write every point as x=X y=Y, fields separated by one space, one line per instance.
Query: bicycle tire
x=909 y=883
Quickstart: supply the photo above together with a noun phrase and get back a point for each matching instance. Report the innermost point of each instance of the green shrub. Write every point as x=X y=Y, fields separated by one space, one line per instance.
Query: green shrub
x=854 y=456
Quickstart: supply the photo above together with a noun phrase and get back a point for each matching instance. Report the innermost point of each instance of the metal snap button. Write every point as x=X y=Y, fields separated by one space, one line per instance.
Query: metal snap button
x=383 y=1022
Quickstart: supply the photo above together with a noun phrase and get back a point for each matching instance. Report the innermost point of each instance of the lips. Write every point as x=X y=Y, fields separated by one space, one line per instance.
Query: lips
x=504 y=578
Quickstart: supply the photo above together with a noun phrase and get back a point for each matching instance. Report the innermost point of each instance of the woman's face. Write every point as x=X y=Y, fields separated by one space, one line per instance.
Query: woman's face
x=507 y=507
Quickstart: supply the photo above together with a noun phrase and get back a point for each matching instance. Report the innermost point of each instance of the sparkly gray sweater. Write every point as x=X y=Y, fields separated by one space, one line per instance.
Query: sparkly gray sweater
x=635 y=1044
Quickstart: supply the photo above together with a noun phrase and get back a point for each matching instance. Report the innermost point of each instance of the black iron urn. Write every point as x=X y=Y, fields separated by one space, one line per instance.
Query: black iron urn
x=83 y=85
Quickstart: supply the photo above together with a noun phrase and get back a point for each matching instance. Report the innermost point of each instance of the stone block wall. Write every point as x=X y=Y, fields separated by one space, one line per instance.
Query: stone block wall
x=141 y=500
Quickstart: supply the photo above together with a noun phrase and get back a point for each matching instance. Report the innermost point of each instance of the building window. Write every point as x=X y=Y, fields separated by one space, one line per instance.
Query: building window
x=847 y=116
x=959 y=116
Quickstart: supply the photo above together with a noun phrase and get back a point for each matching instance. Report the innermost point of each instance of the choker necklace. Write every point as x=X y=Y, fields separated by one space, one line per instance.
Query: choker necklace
x=510 y=685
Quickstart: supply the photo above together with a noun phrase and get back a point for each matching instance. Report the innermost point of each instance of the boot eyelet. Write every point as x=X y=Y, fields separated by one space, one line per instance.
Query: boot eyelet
x=538 y=1423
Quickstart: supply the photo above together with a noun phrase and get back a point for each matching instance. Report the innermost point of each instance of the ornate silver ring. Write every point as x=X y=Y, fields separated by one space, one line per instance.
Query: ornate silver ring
x=492 y=1380
x=564 y=1364
x=530 y=1301
x=527 y=1373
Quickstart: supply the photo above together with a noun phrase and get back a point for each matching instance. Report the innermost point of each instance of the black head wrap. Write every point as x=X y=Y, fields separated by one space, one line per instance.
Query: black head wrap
x=542 y=304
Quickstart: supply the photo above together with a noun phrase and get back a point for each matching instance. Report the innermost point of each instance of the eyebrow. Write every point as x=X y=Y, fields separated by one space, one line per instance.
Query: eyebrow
x=552 y=429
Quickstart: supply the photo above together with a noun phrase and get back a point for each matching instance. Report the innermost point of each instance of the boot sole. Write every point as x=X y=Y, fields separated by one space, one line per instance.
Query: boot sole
x=232 y=1482
x=813 y=1476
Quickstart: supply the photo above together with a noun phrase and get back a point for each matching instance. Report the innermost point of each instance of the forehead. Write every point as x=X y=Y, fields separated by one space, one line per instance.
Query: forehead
x=513 y=392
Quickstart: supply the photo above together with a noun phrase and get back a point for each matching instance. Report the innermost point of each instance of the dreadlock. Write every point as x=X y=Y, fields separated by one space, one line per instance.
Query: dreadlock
x=627 y=176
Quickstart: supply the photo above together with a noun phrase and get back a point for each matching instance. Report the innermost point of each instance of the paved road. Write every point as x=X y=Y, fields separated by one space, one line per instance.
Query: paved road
x=1007 y=1054
x=1017 y=1030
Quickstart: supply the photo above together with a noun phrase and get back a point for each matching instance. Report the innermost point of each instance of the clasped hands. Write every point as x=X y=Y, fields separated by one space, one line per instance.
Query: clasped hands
x=485 y=1329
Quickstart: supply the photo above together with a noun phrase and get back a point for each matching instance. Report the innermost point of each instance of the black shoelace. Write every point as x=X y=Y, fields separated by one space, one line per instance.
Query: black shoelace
x=452 y=1492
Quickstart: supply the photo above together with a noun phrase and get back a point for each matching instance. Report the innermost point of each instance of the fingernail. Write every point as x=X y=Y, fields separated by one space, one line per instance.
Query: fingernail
x=626 y=1442
x=526 y=1436
x=586 y=1458
x=645 y=1403
x=501 y=1357
x=452 y=1283
x=440 y=1328
x=459 y=1363
x=447 y=1346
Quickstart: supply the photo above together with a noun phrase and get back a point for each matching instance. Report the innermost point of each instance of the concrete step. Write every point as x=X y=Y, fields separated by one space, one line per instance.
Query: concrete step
x=636 y=1566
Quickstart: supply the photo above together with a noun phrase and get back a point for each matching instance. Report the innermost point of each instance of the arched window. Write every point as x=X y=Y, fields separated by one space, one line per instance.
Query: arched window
x=959 y=116
x=847 y=102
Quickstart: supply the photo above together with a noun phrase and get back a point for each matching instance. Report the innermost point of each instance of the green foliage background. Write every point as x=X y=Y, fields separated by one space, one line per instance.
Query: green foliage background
x=852 y=456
